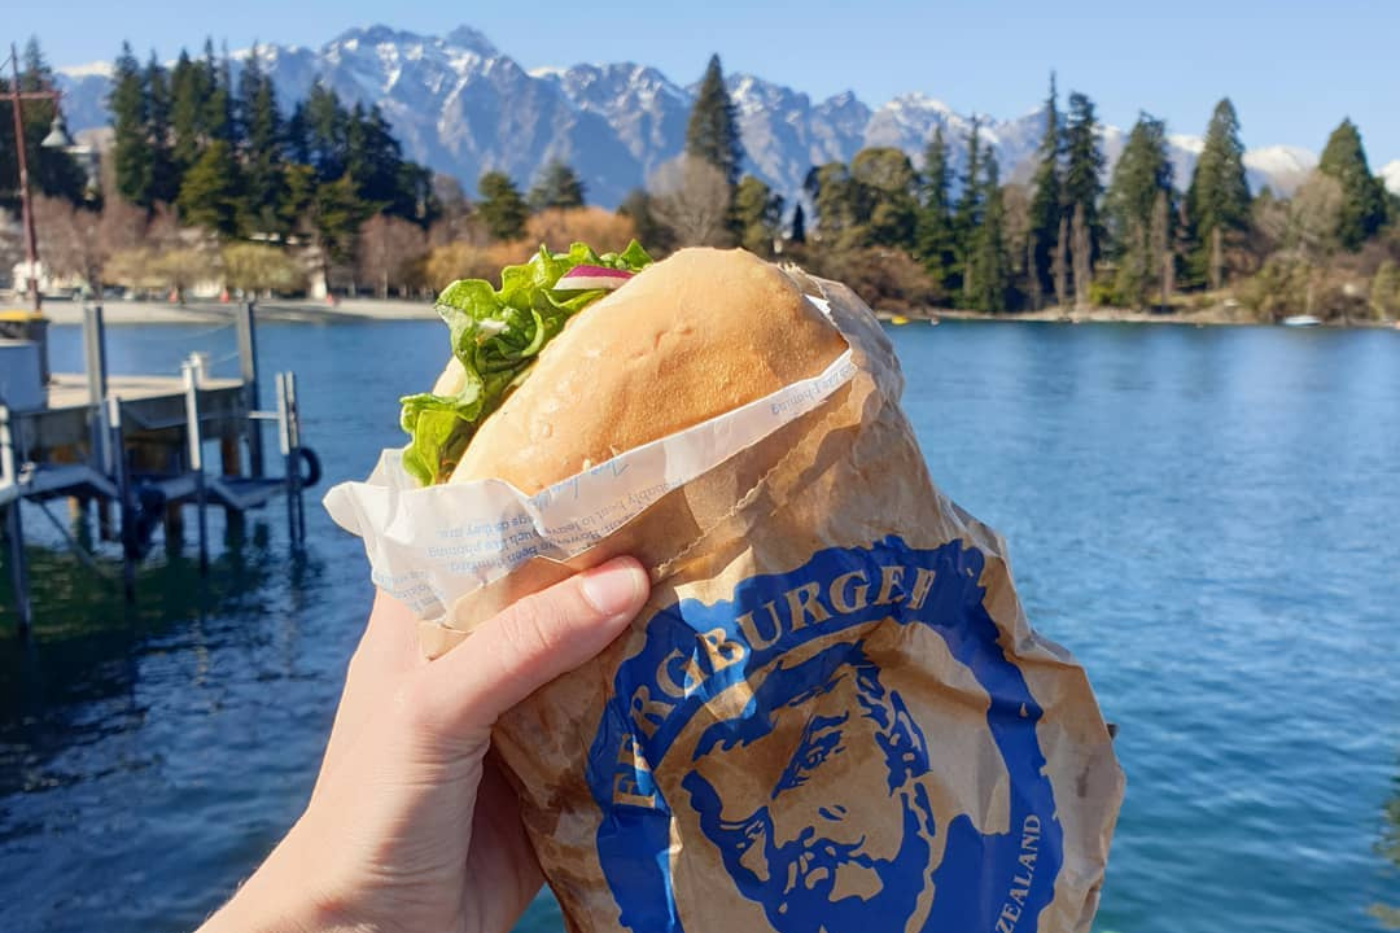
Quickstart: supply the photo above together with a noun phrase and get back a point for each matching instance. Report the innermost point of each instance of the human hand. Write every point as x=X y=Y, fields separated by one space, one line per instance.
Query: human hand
x=410 y=826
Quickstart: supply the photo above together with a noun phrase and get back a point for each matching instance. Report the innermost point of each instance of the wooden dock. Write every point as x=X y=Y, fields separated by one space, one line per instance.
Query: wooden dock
x=135 y=447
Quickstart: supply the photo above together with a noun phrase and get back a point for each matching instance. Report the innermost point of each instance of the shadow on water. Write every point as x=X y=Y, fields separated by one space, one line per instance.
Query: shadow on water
x=85 y=648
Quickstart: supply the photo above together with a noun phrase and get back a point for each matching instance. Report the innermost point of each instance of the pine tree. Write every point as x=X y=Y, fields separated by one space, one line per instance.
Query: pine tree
x=651 y=233
x=217 y=113
x=1143 y=173
x=1083 y=178
x=1217 y=201
x=261 y=125
x=968 y=215
x=886 y=196
x=502 y=208
x=1363 y=208
x=713 y=131
x=1047 y=199
x=210 y=195
x=989 y=266
x=187 y=95
x=937 y=240
x=1060 y=267
x=799 y=225
x=325 y=120
x=557 y=186
x=52 y=172
x=131 y=149
x=165 y=181
x=758 y=214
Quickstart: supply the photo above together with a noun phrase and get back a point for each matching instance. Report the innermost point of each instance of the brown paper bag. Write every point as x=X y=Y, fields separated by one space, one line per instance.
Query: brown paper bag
x=832 y=713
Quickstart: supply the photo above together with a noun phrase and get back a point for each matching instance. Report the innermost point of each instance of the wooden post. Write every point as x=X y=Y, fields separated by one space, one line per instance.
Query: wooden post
x=294 y=465
x=248 y=370
x=14 y=528
x=196 y=439
x=124 y=506
x=231 y=462
x=284 y=446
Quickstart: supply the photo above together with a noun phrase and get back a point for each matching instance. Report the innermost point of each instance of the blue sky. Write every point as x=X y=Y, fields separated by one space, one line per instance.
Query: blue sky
x=1293 y=67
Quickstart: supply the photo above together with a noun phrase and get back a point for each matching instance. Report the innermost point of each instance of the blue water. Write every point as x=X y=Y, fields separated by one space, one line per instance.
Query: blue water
x=1208 y=518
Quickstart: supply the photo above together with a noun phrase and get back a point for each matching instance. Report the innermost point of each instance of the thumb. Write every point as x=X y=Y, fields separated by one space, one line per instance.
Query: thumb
x=534 y=641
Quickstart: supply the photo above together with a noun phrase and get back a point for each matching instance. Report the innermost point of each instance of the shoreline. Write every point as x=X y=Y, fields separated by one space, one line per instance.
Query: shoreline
x=135 y=313
x=1216 y=316
x=123 y=313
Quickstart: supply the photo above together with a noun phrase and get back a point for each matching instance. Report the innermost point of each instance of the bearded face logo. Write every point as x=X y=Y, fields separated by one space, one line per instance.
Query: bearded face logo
x=767 y=757
x=799 y=842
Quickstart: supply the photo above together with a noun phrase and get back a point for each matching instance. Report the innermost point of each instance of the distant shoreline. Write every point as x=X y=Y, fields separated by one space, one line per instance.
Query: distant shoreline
x=1206 y=317
x=124 y=313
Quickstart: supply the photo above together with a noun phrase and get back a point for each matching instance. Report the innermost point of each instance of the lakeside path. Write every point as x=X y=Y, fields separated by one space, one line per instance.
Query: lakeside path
x=117 y=313
x=361 y=309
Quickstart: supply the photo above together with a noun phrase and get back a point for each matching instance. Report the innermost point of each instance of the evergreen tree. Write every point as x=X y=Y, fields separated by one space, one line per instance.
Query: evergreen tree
x=296 y=136
x=52 y=172
x=325 y=121
x=187 y=95
x=557 y=186
x=372 y=160
x=713 y=131
x=968 y=215
x=833 y=196
x=758 y=213
x=261 y=124
x=1083 y=178
x=799 y=225
x=1363 y=208
x=1142 y=175
x=885 y=193
x=651 y=233
x=165 y=181
x=989 y=267
x=1217 y=201
x=1047 y=199
x=502 y=208
x=210 y=195
x=218 y=115
x=131 y=150
x=937 y=241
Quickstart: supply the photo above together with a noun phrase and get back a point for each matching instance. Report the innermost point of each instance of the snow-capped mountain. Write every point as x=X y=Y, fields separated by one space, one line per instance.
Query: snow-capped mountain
x=1391 y=175
x=462 y=107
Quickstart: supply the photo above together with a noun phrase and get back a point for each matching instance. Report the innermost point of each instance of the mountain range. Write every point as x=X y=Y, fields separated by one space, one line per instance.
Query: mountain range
x=462 y=107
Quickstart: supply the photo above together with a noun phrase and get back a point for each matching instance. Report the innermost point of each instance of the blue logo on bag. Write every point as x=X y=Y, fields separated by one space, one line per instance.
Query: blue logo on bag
x=768 y=724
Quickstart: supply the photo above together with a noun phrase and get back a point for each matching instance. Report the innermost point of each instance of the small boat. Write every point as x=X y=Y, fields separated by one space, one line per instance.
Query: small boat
x=1300 y=320
x=898 y=319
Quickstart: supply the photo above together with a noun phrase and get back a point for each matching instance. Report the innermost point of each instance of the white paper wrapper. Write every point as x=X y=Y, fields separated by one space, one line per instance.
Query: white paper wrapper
x=428 y=547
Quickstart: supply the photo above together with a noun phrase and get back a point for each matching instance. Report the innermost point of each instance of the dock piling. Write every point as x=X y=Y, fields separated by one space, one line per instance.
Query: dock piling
x=248 y=371
x=192 y=372
x=14 y=525
x=125 y=506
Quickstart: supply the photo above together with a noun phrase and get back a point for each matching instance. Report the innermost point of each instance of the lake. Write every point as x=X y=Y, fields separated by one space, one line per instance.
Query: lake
x=1208 y=518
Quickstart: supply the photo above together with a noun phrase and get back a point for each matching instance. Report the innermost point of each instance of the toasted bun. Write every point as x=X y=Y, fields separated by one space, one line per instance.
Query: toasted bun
x=688 y=339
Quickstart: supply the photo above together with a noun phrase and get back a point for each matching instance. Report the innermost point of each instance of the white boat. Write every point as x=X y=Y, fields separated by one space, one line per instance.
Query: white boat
x=1300 y=320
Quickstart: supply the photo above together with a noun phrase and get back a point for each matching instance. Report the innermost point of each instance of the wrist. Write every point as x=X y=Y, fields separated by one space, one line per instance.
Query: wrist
x=281 y=897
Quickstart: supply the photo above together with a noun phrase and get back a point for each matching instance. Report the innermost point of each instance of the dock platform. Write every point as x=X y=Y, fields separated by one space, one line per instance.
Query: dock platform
x=135 y=446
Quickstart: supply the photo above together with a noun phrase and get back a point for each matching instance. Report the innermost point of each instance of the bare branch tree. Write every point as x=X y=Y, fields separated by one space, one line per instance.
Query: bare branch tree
x=385 y=251
x=692 y=199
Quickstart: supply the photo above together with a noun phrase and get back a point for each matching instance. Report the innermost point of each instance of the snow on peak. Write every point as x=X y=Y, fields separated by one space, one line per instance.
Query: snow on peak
x=1391 y=176
x=90 y=70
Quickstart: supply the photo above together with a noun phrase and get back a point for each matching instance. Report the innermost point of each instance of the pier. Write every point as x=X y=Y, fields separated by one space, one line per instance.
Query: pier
x=134 y=449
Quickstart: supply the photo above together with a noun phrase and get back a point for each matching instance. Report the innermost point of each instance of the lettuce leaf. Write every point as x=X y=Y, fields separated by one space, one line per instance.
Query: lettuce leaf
x=496 y=335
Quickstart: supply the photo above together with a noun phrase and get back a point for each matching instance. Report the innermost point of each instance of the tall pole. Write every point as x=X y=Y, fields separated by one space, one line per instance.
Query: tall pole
x=31 y=243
